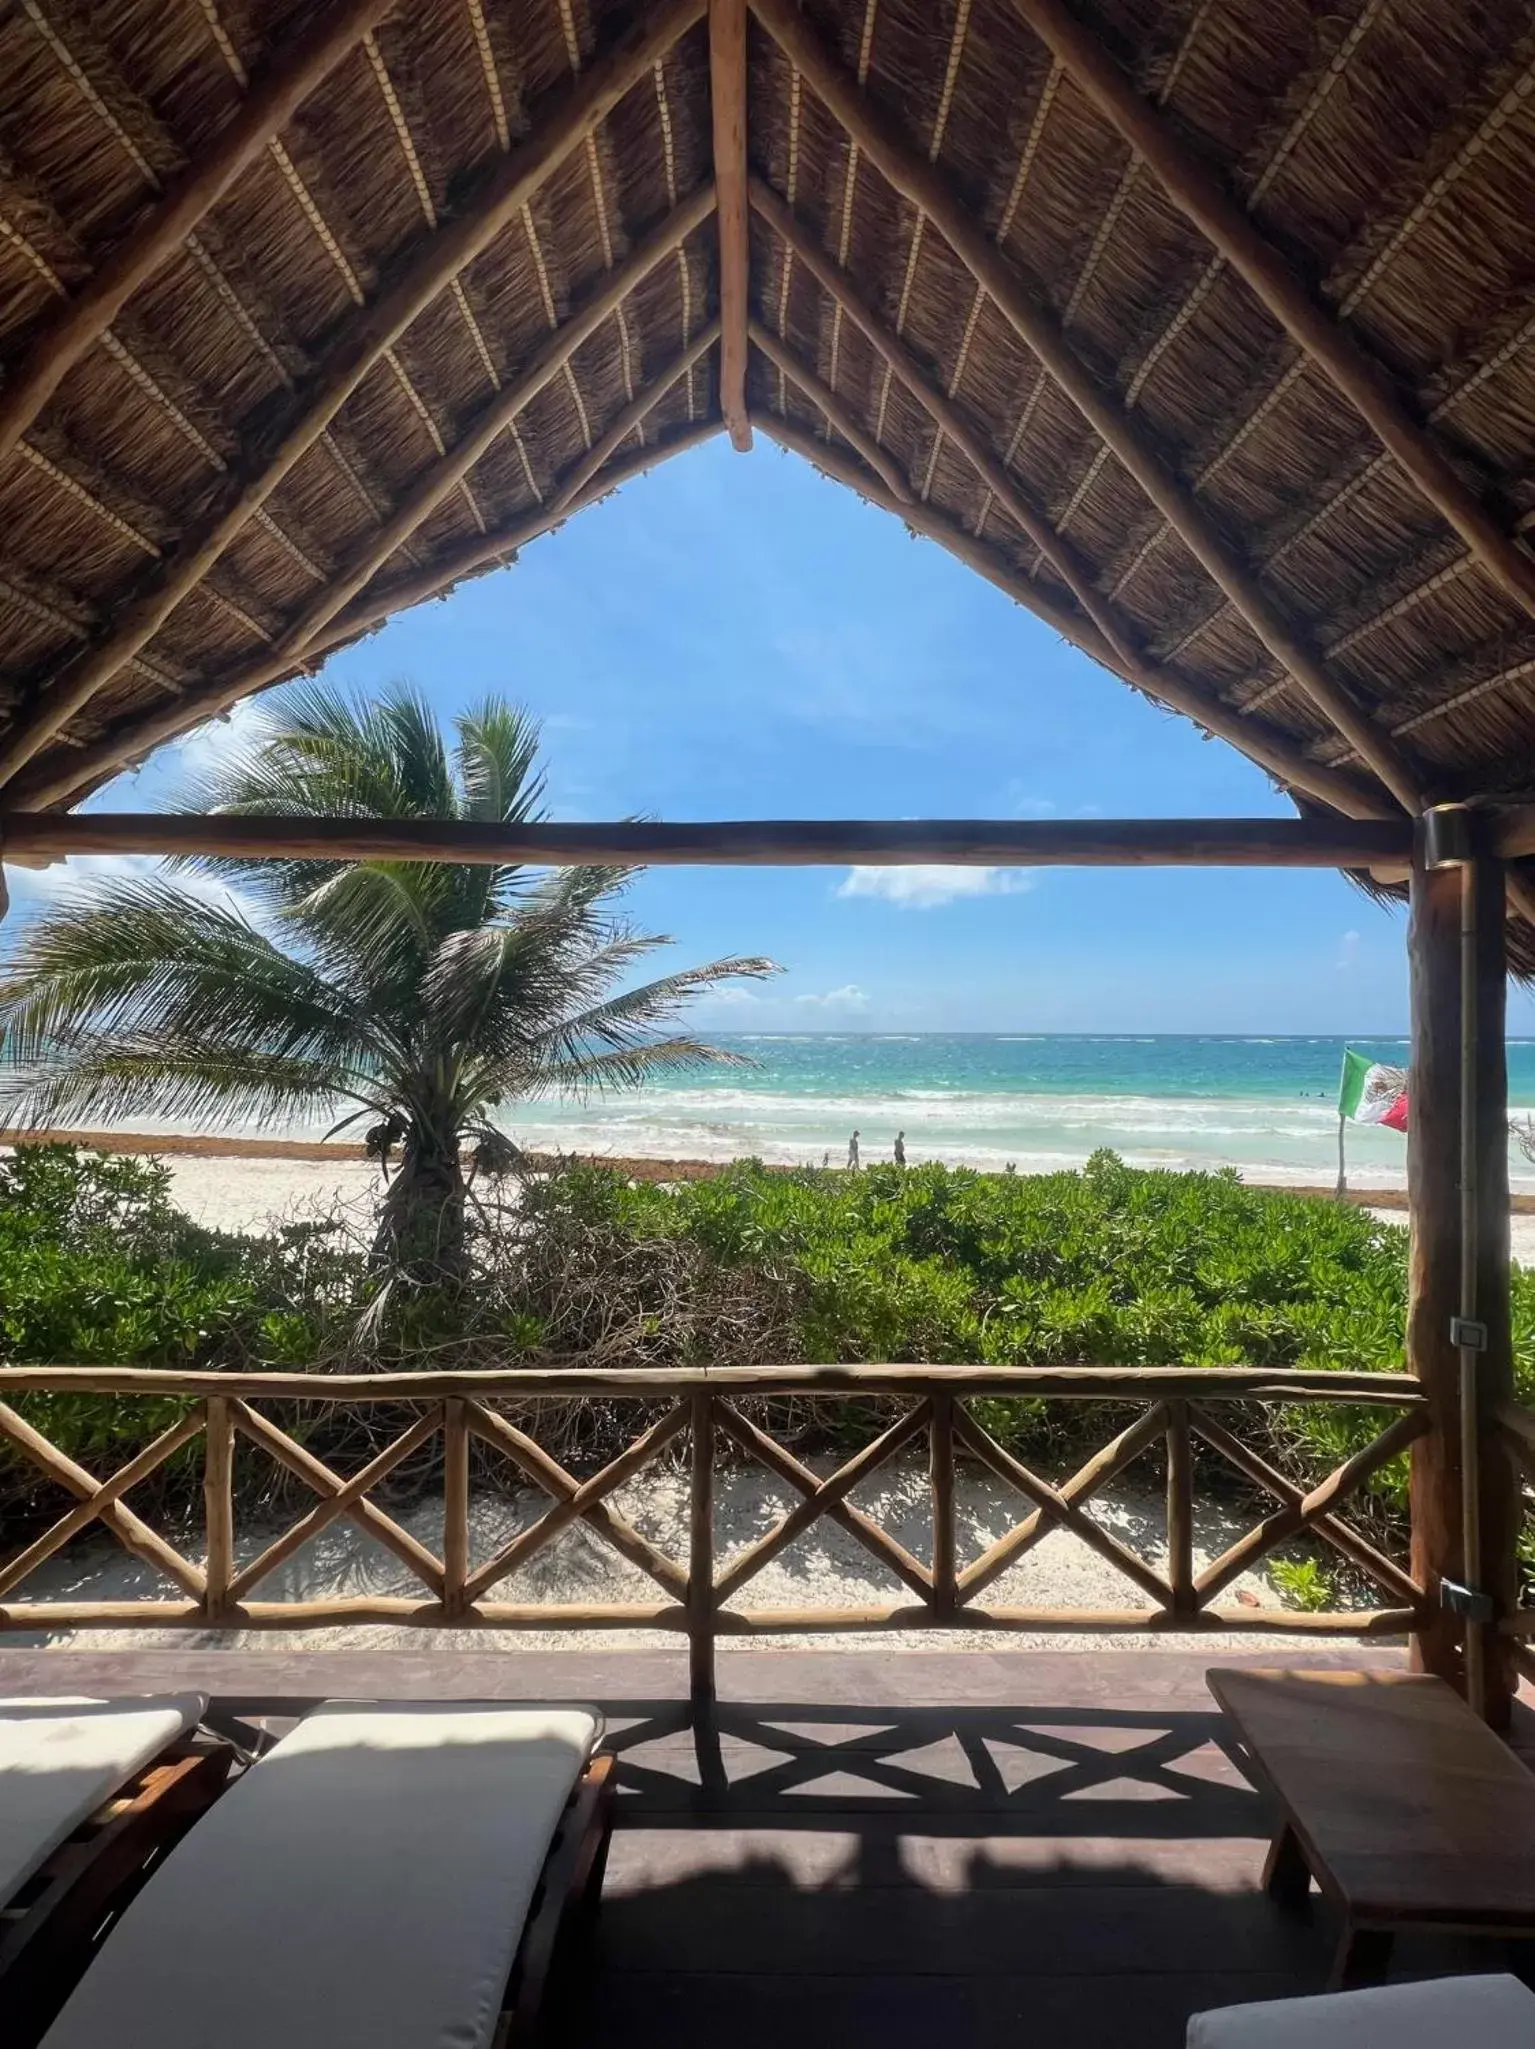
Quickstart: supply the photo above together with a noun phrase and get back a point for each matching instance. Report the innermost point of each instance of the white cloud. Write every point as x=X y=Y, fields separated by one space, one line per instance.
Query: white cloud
x=728 y=996
x=1348 y=953
x=848 y=997
x=925 y=888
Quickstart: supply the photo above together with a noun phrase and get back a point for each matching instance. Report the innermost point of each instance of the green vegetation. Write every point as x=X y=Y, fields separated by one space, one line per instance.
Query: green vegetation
x=416 y=997
x=1109 y=1265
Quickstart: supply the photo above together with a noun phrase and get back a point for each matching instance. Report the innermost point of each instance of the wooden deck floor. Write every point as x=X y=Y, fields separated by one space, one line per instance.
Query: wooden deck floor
x=953 y=1849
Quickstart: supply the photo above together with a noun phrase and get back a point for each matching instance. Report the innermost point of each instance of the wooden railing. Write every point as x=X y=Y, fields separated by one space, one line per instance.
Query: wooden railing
x=705 y=1410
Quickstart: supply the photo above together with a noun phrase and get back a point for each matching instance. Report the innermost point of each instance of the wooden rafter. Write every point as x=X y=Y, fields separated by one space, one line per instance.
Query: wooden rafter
x=638 y=410
x=445 y=475
x=573 y=113
x=835 y=410
x=727 y=103
x=1231 y=232
x=61 y=341
x=1117 y=651
x=843 y=291
x=139 y=734
x=926 y=187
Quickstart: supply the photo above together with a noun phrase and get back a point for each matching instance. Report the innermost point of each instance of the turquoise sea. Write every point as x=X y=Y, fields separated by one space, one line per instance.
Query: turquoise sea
x=1041 y=1101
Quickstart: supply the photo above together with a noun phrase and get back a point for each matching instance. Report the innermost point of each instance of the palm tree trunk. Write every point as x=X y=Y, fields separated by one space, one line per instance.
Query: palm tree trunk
x=422 y=1226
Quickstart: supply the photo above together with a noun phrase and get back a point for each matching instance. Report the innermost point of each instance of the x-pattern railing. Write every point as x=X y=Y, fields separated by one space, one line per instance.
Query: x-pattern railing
x=706 y=1410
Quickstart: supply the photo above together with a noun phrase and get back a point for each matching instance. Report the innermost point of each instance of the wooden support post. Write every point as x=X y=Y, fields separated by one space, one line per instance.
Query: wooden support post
x=940 y=1437
x=218 y=1503
x=1465 y=1493
x=1433 y=1274
x=455 y=1504
x=700 y=1602
x=1180 y=1508
x=1492 y=1513
x=727 y=94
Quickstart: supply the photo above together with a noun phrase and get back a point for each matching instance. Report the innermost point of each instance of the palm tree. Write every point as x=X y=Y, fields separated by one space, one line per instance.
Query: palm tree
x=420 y=997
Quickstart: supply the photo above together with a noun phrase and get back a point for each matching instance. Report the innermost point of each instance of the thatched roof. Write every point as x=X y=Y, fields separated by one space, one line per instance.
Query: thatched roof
x=477 y=276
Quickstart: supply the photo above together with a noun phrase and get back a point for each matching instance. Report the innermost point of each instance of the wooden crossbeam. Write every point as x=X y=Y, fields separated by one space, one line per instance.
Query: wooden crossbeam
x=366 y=1514
x=91 y=1506
x=577 y=1500
x=918 y=179
x=1230 y=229
x=27 y=836
x=1277 y=752
x=130 y=1531
x=139 y=733
x=325 y=1512
x=275 y=97
x=727 y=107
x=1340 y=1535
x=895 y=1557
x=571 y=113
x=1059 y=1507
x=811 y=1507
x=1295 y=1516
x=442 y=477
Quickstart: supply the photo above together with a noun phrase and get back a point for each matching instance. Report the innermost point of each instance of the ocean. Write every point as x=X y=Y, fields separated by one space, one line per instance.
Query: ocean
x=1266 y=1105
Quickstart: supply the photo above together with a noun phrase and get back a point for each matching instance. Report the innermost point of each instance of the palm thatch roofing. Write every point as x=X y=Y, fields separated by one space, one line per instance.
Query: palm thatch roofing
x=1203 y=327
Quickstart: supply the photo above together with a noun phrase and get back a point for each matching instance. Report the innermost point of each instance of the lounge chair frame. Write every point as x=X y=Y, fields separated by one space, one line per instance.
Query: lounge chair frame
x=53 y=1926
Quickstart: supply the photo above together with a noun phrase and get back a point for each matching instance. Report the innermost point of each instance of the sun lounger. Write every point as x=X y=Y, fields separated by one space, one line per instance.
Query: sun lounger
x=394 y=1875
x=91 y=1792
x=1482 y=2013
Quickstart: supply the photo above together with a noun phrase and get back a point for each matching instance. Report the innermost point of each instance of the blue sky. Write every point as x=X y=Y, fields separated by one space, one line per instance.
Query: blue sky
x=736 y=637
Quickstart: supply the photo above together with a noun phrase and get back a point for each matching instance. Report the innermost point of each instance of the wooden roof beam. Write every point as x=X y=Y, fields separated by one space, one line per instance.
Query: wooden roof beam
x=835 y=410
x=444 y=476
x=755 y=843
x=1201 y=198
x=273 y=100
x=137 y=735
x=568 y=116
x=727 y=101
x=1260 y=742
x=911 y=173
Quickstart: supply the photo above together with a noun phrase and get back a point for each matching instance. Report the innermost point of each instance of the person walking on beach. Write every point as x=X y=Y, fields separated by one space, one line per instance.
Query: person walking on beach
x=900 y=1148
x=852 y=1154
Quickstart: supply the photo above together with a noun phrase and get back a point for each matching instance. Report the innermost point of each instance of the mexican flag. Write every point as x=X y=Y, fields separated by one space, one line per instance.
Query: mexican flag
x=1371 y=1093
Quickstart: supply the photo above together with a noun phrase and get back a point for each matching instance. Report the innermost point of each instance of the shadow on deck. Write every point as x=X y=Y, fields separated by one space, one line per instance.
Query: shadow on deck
x=958 y=1849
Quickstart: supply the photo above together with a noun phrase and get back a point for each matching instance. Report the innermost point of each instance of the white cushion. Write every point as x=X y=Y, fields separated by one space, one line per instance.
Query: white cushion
x=1440 y=2013
x=366 y=1882
x=60 y=1759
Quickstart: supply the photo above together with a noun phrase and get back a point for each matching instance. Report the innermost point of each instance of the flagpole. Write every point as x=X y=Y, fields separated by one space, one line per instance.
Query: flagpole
x=1342 y=1188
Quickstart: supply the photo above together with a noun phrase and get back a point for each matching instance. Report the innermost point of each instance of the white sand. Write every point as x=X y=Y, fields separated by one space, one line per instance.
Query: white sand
x=245 y=1195
x=825 y=1568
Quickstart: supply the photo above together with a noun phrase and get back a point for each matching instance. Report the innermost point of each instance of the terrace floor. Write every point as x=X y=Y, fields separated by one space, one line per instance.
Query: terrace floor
x=917 y=1847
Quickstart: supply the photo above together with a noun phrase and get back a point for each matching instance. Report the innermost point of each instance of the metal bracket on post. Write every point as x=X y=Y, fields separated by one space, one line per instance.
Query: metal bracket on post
x=1447 y=836
x=1465 y=1601
x=1467 y=1335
